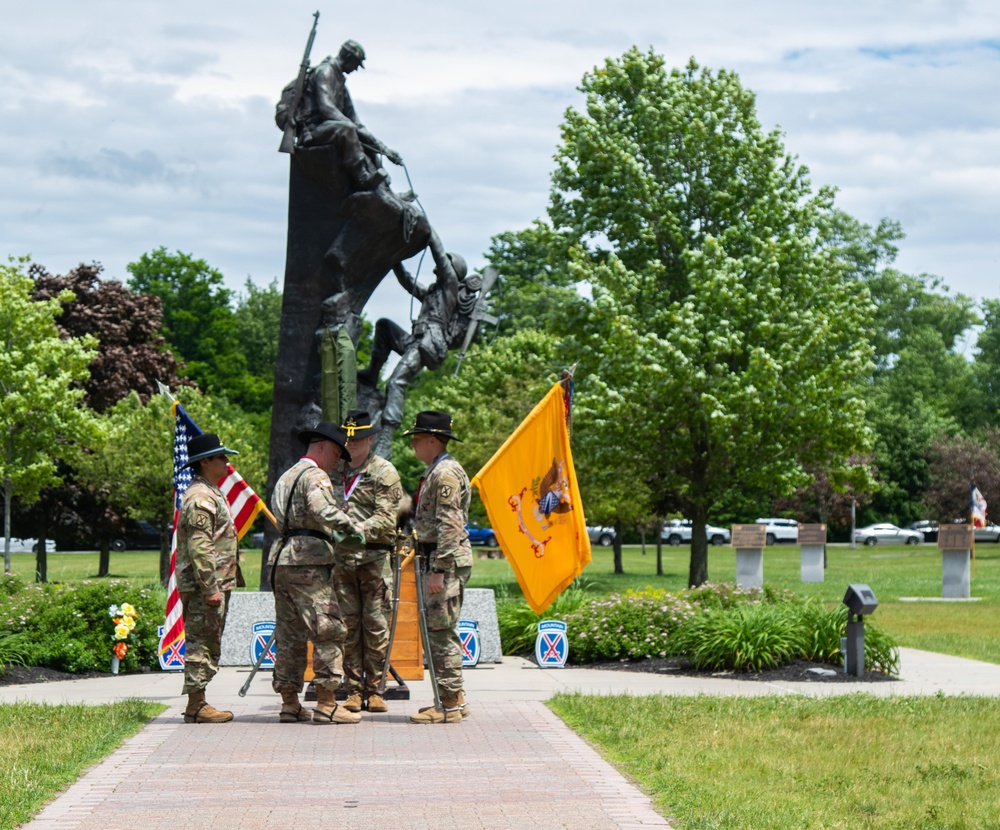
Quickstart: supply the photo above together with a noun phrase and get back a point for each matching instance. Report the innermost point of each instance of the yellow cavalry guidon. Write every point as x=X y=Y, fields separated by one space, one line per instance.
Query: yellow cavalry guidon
x=531 y=495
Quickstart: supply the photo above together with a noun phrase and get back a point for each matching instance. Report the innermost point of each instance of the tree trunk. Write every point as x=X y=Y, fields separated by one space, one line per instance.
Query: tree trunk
x=41 y=561
x=8 y=494
x=617 y=547
x=165 y=536
x=642 y=539
x=698 y=570
x=659 y=550
x=104 y=559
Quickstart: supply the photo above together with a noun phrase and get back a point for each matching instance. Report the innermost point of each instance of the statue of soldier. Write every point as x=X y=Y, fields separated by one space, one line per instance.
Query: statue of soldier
x=370 y=496
x=434 y=332
x=207 y=571
x=305 y=600
x=327 y=116
x=440 y=519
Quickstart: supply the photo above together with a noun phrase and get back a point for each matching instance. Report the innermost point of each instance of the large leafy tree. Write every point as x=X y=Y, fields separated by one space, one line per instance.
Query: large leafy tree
x=41 y=393
x=953 y=461
x=730 y=346
x=131 y=352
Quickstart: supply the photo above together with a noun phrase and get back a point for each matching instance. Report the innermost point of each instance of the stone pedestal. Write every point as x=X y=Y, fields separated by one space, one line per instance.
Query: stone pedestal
x=956 y=574
x=750 y=567
x=812 y=563
x=480 y=605
x=245 y=609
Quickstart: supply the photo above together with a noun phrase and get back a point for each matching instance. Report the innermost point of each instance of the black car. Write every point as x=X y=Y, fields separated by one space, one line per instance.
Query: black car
x=140 y=535
x=928 y=528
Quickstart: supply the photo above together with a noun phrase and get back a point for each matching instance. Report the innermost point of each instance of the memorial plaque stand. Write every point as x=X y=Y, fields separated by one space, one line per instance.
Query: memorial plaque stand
x=955 y=544
x=812 y=538
x=749 y=542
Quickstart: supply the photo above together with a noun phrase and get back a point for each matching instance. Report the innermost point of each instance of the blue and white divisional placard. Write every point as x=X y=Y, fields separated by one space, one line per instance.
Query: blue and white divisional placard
x=172 y=658
x=551 y=645
x=261 y=634
x=468 y=633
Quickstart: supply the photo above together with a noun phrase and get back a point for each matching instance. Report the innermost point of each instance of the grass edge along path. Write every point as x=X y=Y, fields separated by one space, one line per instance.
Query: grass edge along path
x=788 y=763
x=46 y=748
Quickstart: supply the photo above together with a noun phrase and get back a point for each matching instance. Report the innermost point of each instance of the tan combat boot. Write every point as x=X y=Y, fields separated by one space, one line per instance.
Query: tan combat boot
x=353 y=702
x=463 y=706
x=376 y=703
x=327 y=711
x=452 y=712
x=199 y=711
x=291 y=709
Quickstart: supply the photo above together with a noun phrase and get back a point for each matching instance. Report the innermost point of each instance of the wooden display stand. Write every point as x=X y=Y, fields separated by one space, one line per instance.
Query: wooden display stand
x=407 y=656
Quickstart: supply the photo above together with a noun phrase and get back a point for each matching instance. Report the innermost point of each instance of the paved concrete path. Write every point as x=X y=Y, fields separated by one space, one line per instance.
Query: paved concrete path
x=512 y=764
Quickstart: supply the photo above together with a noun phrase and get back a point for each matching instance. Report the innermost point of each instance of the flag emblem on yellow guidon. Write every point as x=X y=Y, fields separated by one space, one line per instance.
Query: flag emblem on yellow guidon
x=531 y=494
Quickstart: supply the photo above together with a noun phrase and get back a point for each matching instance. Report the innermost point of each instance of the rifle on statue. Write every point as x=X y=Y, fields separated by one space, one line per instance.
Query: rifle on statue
x=291 y=97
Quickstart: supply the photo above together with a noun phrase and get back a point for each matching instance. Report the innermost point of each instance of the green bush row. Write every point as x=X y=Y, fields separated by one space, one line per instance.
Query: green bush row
x=716 y=626
x=68 y=626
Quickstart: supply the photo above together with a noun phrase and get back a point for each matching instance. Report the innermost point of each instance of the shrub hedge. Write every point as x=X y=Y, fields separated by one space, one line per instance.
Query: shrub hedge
x=68 y=627
x=715 y=626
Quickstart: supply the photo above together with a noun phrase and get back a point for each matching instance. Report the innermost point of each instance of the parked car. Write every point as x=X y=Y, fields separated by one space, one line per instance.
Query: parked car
x=141 y=535
x=889 y=533
x=928 y=528
x=26 y=545
x=780 y=530
x=679 y=530
x=990 y=533
x=603 y=536
x=480 y=535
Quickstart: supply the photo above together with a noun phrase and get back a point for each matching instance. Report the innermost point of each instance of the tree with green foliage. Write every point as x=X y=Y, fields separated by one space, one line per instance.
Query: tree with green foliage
x=41 y=393
x=728 y=345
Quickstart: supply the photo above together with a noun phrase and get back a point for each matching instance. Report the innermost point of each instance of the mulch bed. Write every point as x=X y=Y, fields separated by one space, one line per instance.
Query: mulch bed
x=796 y=671
x=15 y=675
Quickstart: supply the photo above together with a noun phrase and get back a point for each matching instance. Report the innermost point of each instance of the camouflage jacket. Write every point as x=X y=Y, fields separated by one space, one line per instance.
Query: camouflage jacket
x=207 y=544
x=313 y=506
x=443 y=512
x=370 y=496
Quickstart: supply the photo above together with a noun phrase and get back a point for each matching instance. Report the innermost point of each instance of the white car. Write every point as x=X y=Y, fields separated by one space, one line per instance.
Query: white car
x=780 y=530
x=679 y=530
x=888 y=533
x=603 y=536
x=26 y=545
x=990 y=533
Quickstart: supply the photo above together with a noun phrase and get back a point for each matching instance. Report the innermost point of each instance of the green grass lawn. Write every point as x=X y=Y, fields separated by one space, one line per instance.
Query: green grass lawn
x=45 y=748
x=787 y=763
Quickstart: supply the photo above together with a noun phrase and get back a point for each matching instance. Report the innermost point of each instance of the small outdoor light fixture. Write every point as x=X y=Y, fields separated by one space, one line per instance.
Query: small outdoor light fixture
x=860 y=600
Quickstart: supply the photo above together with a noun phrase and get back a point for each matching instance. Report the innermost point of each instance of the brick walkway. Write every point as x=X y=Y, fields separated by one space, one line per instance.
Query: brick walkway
x=509 y=765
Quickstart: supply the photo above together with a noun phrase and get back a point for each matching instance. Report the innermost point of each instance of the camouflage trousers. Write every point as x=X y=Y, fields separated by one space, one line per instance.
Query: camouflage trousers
x=364 y=591
x=203 y=627
x=443 y=612
x=306 y=609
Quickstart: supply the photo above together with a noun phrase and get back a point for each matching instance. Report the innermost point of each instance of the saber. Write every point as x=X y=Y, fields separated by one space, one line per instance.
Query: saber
x=256 y=666
x=422 y=613
x=396 y=569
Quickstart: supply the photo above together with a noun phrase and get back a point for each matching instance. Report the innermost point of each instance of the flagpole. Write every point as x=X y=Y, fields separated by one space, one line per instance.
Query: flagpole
x=165 y=390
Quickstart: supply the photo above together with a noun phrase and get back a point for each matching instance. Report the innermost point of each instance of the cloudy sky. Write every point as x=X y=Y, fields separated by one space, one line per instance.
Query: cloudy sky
x=127 y=126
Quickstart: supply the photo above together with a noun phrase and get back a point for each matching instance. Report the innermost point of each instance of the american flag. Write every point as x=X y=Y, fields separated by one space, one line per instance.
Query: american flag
x=244 y=505
x=978 y=507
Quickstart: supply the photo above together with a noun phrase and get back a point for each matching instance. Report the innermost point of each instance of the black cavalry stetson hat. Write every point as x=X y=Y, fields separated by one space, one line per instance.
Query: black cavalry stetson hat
x=358 y=424
x=434 y=422
x=205 y=446
x=325 y=431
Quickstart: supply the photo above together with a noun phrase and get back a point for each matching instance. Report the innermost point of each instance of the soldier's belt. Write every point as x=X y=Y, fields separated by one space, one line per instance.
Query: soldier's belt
x=304 y=531
x=379 y=546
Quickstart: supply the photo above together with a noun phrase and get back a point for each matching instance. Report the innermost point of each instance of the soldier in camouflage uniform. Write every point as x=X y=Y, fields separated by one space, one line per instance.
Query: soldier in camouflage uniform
x=442 y=513
x=206 y=570
x=370 y=496
x=305 y=601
